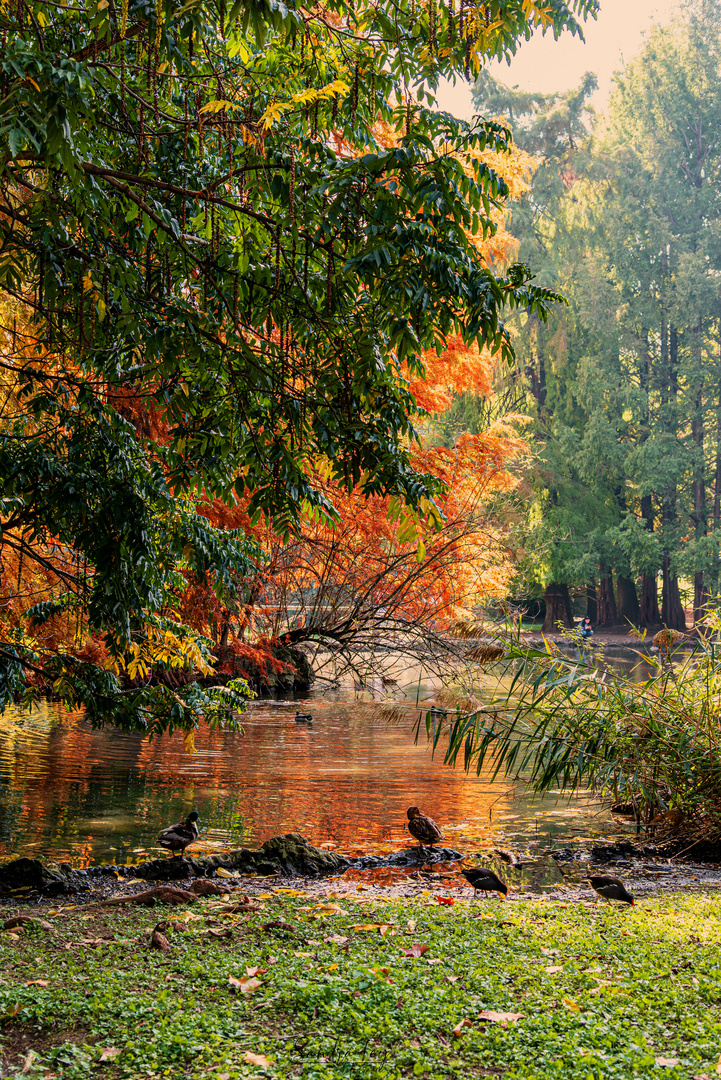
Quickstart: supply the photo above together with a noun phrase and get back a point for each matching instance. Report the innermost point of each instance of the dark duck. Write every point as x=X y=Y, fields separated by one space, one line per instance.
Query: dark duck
x=177 y=837
x=485 y=881
x=610 y=888
x=423 y=828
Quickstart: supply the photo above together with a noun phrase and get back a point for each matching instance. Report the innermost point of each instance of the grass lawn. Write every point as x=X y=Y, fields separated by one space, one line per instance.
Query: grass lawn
x=602 y=992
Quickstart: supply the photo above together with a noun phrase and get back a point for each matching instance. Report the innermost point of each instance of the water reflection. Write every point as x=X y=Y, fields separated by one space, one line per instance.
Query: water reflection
x=68 y=792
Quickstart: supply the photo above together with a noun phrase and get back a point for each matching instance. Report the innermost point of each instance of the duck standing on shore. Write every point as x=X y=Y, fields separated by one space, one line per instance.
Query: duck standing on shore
x=610 y=888
x=485 y=881
x=177 y=837
x=423 y=828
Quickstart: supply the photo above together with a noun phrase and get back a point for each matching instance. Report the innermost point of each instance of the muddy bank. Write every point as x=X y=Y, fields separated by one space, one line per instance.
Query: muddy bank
x=552 y=871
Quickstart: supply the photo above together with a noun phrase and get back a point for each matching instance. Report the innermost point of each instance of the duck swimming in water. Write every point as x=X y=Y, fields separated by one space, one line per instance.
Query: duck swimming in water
x=177 y=837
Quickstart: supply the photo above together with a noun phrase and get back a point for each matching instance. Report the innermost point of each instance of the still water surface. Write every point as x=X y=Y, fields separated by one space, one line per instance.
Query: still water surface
x=70 y=793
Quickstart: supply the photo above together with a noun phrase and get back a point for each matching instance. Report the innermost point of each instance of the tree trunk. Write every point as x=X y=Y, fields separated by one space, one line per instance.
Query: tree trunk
x=592 y=603
x=672 y=613
x=627 y=598
x=700 y=513
x=649 y=616
x=607 y=613
x=558 y=608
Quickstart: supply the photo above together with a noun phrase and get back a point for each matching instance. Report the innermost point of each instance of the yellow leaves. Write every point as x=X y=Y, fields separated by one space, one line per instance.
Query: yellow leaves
x=219 y=106
x=571 y=1004
x=172 y=648
x=370 y=928
x=303 y=98
x=189 y=741
x=272 y=114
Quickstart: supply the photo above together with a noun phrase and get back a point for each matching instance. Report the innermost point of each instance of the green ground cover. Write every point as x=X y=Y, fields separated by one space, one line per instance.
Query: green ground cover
x=603 y=992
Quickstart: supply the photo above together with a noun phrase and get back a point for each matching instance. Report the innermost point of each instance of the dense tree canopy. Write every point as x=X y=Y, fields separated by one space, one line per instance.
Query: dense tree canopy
x=623 y=384
x=229 y=234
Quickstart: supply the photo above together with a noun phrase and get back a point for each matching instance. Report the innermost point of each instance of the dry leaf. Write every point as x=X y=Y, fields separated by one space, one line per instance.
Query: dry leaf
x=446 y=900
x=252 y=971
x=256 y=1059
x=29 y=1061
x=159 y=941
x=571 y=1004
x=335 y=939
x=435 y=960
x=458 y=1029
x=452 y=978
x=415 y=950
x=38 y=982
x=503 y=1018
x=667 y=1062
x=291 y=892
x=250 y=985
x=221 y=872
x=382 y=928
x=110 y=1053
x=227 y=933
x=411 y=924
x=552 y=970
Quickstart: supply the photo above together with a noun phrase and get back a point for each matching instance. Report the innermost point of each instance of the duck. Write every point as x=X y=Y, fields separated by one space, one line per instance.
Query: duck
x=610 y=888
x=508 y=857
x=423 y=828
x=485 y=881
x=303 y=717
x=178 y=836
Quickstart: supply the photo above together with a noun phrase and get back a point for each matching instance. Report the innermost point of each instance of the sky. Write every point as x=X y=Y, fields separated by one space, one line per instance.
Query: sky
x=547 y=65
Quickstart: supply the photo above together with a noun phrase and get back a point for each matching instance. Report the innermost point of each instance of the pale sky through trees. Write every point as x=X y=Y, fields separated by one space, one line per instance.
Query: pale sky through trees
x=547 y=65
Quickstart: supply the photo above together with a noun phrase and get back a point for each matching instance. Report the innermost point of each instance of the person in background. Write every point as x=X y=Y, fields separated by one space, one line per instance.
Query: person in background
x=586 y=628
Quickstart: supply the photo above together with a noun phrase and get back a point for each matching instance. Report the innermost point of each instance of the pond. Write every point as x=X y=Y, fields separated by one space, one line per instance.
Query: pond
x=70 y=793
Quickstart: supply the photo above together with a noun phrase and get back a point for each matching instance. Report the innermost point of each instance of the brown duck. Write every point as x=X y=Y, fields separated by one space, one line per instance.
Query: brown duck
x=610 y=888
x=423 y=828
x=485 y=881
x=177 y=837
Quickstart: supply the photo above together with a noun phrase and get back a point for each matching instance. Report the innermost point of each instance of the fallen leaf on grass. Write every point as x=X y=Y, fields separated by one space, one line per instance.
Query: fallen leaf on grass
x=291 y=892
x=503 y=1018
x=553 y=969
x=382 y=928
x=667 y=1063
x=29 y=1061
x=452 y=978
x=256 y=1059
x=227 y=933
x=110 y=1053
x=159 y=941
x=252 y=971
x=415 y=950
x=38 y=982
x=335 y=939
x=446 y=900
x=246 y=985
x=571 y=1004
x=458 y=1029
